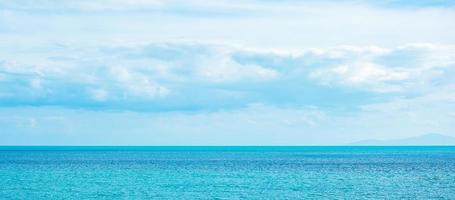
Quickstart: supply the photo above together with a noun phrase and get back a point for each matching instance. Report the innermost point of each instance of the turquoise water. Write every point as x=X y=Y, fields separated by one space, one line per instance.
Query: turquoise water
x=227 y=172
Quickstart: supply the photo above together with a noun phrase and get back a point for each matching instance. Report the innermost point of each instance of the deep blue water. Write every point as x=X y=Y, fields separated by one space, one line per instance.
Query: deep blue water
x=227 y=172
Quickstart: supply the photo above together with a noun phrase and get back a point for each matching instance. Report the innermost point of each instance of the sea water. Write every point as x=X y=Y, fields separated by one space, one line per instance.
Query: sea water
x=227 y=172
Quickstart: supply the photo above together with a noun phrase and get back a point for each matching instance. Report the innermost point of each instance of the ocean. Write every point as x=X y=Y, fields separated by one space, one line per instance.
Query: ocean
x=426 y=172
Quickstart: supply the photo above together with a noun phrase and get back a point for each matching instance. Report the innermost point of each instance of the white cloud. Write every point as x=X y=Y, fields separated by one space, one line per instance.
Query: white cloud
x=227 y=74
x=137 y=83
x=390 y=70
x=35 y=83
x=440 y=98
x=99 y=94
x=33 y=122
x=222 y=68
x=364 y=75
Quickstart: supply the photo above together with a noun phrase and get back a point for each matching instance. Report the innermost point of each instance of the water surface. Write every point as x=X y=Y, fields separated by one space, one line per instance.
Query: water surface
x=227 y=172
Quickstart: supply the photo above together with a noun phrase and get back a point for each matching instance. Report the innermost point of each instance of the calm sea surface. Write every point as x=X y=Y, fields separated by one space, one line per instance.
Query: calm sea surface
x=227 y=172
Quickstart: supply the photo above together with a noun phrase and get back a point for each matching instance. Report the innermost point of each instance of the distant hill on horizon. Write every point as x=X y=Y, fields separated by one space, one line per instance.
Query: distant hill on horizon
x=426 y=139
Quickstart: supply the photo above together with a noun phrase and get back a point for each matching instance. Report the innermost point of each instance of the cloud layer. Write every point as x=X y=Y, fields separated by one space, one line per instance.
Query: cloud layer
x=179 y=76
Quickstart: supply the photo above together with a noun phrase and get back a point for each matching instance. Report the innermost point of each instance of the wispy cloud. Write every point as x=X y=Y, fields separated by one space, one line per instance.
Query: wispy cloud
x=261 y=24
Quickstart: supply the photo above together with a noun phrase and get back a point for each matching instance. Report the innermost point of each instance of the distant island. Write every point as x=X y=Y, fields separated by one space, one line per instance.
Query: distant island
x=427 y=140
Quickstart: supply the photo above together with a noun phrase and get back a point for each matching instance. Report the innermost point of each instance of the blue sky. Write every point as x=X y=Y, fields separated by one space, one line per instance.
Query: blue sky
x=242 y=72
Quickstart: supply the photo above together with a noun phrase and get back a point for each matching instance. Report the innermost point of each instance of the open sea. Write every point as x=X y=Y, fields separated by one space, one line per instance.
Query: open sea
x=227 y=172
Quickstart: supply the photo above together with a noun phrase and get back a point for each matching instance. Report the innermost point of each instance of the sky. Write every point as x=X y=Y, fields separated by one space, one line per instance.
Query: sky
x=238 y=72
